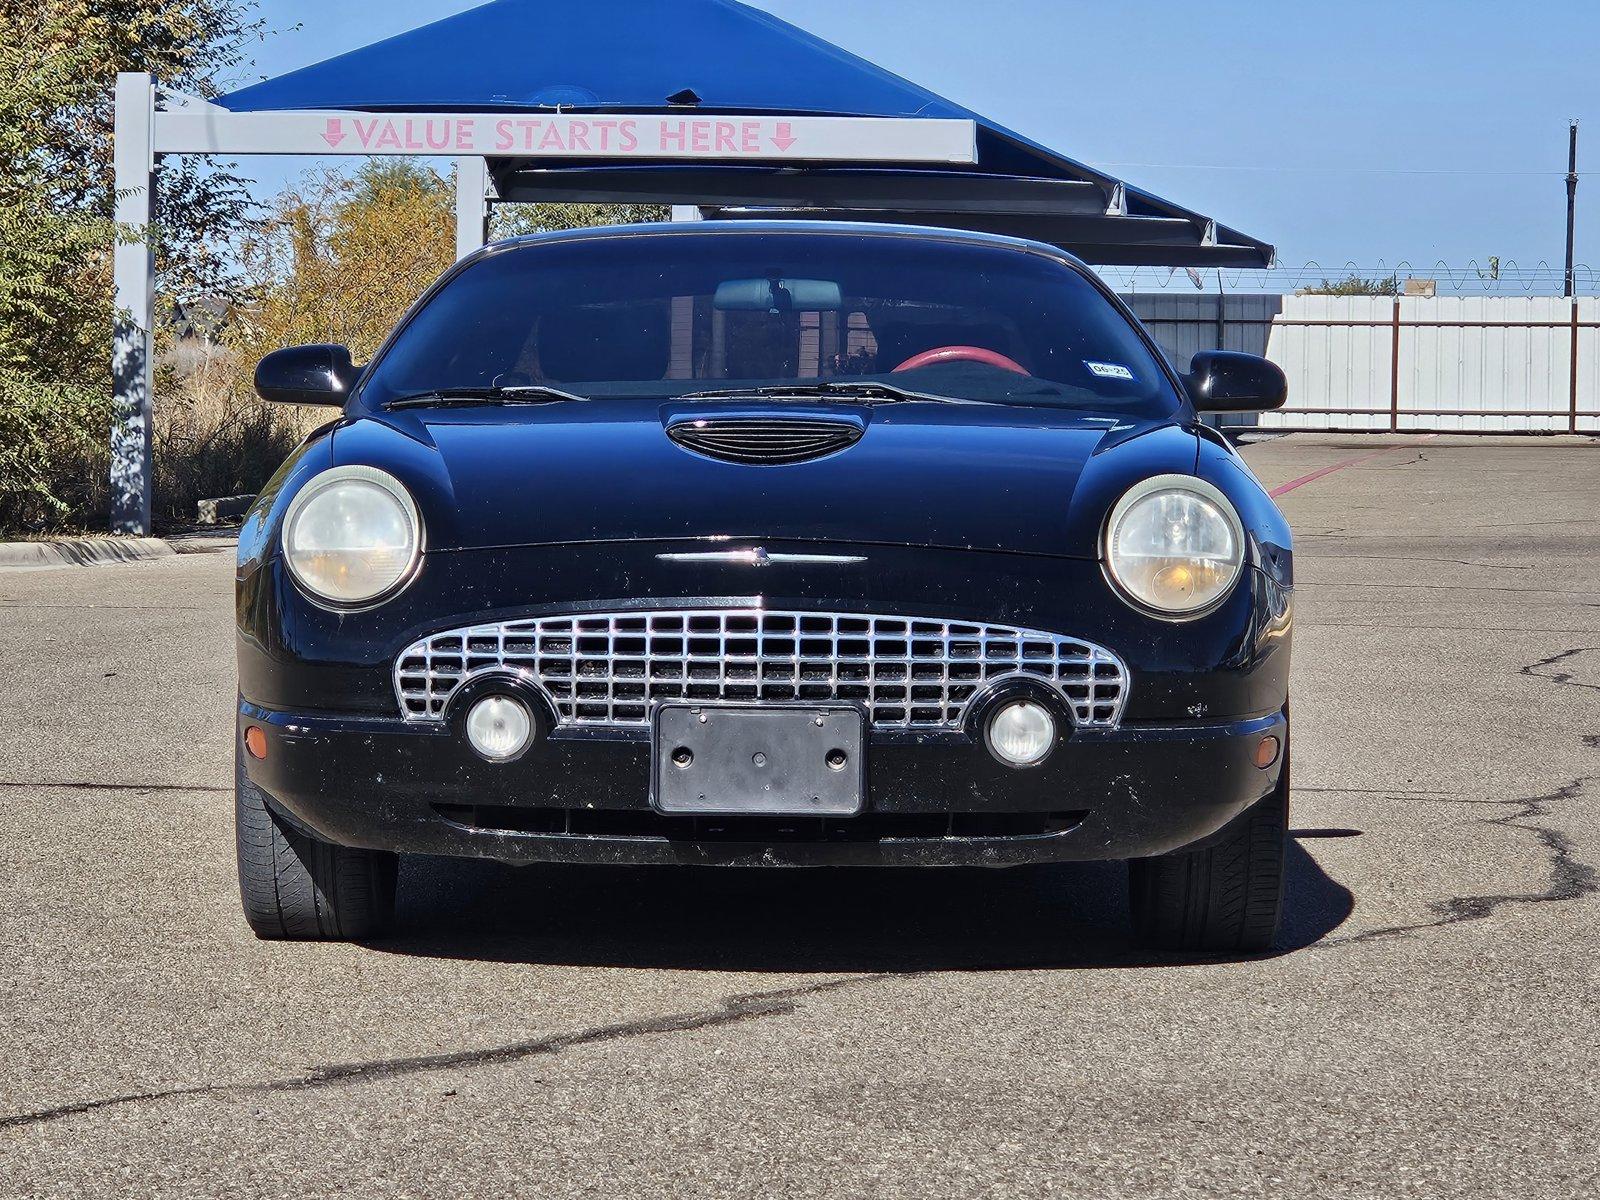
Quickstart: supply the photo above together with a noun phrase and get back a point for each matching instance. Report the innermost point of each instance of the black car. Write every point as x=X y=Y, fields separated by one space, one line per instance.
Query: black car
x=766 y=544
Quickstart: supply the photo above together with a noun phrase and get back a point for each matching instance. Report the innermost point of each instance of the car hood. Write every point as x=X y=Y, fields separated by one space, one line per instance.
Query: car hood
x=989 y=477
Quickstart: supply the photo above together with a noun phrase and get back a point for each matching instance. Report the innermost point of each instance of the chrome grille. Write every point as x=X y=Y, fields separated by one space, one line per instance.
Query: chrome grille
x=607 y=669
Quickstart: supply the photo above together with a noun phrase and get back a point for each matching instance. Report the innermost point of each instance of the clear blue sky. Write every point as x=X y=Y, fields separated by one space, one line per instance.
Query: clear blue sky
x=1366 y=131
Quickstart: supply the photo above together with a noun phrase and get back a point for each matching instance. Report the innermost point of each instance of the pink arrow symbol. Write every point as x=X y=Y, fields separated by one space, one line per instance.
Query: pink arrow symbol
x=784 y=138
x=334 y=134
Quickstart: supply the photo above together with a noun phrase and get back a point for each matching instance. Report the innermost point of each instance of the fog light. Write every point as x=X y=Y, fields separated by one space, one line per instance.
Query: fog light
x=499 y=727
x=1266 y=752
x=1022 y=733
x=255 y=741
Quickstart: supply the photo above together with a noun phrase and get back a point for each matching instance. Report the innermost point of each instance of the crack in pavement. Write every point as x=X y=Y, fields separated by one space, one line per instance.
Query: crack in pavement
x=1305 y=542
x=80 y=786
x=1525 y=524
x=731 y=1011
x=5 y=603
x=1411 y=462
x=1387 y=793
x=1562 y=677
x=1570 y=877
x=1432 y=587
x=1306 y=623
x=1412 y=558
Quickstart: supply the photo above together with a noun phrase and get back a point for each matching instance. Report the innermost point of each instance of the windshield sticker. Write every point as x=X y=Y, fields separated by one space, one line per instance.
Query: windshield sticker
x=1108 y=370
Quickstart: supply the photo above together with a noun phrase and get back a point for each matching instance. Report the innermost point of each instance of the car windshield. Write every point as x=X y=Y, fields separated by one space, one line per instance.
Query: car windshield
x=732 y=311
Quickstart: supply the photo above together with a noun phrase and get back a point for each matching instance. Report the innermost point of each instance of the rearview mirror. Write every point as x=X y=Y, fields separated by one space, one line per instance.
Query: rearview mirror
x=318 y=374
x=1227 y=381
x=777 y=295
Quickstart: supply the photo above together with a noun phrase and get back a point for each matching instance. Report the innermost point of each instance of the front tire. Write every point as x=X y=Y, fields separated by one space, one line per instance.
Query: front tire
x=294 y=886
x=1224 y=899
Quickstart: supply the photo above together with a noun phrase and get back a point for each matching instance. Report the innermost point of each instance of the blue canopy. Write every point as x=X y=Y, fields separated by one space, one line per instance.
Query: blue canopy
x=719 y=56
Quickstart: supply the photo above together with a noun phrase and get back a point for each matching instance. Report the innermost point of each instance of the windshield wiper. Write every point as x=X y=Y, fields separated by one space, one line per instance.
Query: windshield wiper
x=853 y=389
x=533 y=393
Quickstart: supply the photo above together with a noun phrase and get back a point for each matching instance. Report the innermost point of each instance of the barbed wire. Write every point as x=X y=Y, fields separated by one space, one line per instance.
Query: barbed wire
x=1492 y=277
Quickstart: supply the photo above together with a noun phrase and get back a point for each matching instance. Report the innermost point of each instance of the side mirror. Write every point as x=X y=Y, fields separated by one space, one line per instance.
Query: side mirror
x=306 y=375
x=1227 y=381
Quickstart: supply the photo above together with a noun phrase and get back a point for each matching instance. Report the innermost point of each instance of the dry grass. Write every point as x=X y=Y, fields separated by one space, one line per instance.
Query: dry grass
x=213 y=436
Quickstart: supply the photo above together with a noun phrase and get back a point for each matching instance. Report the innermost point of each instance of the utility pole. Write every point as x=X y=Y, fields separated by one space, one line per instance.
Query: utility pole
x=1572 y=196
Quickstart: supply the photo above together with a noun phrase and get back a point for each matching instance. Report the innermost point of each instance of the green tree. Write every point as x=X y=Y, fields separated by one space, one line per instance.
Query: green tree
x=341 y=256
x=190 y=46
x=1355 y=285
x=48 y=249
x=58 y=61
x=55 y=313
x=513 y=220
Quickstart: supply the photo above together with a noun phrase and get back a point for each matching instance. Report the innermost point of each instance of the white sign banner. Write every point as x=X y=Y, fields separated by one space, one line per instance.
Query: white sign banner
x=214 y=130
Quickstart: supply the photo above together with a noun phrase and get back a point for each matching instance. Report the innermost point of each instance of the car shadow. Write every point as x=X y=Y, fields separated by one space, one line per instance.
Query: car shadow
x=804 y=920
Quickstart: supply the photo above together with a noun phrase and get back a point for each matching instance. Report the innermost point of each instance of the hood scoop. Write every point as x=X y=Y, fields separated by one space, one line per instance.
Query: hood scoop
x=766 y=440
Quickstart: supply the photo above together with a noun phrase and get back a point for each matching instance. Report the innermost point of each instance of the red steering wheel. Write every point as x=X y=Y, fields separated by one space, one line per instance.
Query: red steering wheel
x=949 y=354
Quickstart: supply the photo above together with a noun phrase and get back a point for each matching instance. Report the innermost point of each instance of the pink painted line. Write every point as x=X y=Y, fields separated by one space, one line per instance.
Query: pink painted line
x=1338 y=466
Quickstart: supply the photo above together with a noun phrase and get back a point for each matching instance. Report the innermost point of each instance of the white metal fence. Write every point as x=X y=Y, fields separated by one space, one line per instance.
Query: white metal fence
x=1465 y=364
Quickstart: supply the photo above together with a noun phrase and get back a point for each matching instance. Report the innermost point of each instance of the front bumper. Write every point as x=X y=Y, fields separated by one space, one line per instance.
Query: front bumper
x=343 y=764
x=1141 y=790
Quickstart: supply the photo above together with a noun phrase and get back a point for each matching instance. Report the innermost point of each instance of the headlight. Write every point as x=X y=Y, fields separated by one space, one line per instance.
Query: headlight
x=1174 y=545
x=352 y=535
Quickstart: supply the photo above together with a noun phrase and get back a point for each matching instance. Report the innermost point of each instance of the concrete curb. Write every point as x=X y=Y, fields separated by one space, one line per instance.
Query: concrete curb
x=223 y=508
x=80 y=552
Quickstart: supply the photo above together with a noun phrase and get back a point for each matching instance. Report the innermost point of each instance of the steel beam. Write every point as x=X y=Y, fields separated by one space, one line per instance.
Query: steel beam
x=842 y=188
x=1167 y=231
x=1107 y=241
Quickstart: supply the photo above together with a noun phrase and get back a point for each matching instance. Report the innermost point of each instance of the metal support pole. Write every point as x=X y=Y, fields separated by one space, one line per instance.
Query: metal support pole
x=1572 y=196
x=1222 y=314
x=133 y=273
x=472 y=205
x=1215 y=420
x=1394 y=369
x=1572 y=364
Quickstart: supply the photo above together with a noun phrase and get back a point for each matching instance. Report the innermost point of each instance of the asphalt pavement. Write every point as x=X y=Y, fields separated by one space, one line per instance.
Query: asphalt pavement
x=1429 y=1027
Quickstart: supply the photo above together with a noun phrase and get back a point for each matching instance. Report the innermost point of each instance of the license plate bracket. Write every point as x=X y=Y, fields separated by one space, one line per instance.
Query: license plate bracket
x=801 y=760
